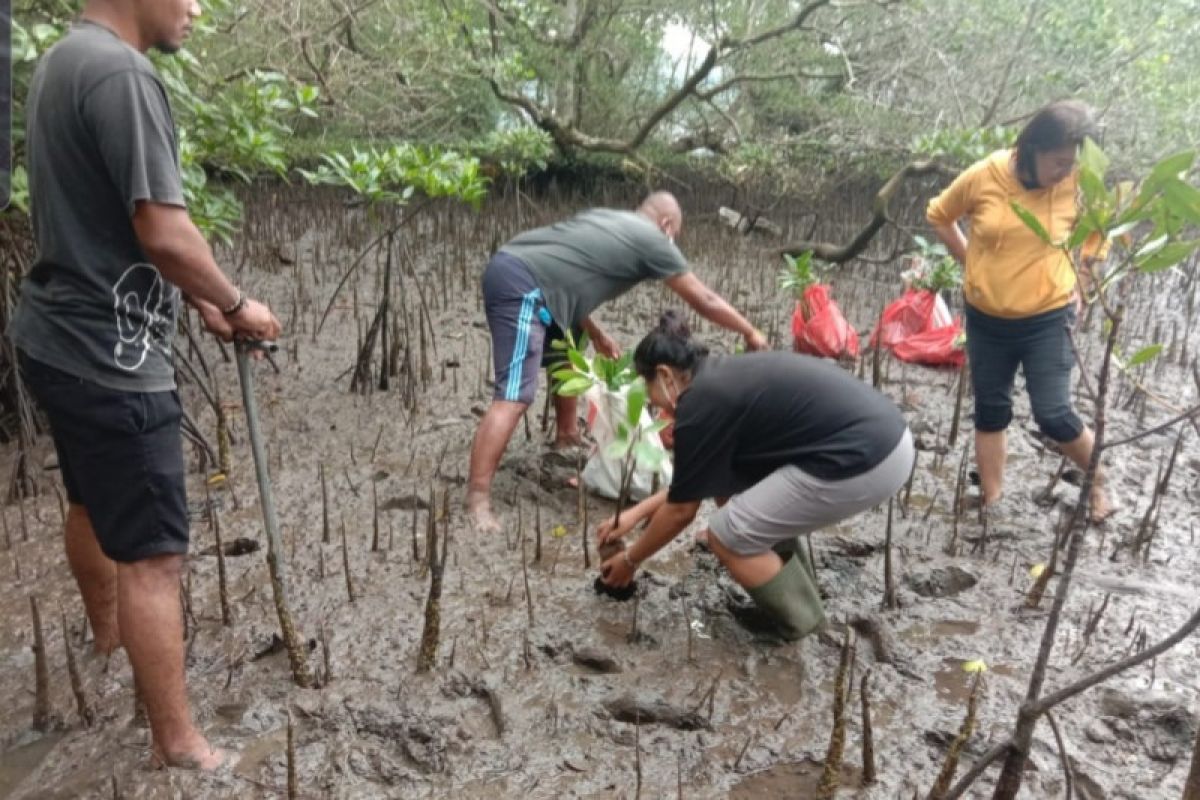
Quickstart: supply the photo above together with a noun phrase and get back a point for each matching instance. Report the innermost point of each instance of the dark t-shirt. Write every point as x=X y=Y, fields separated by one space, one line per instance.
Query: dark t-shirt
x=745 y=416
x=593 y=257
x=100 y=137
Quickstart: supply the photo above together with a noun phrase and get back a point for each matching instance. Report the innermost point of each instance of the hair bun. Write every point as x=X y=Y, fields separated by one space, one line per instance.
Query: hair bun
x=673 y=323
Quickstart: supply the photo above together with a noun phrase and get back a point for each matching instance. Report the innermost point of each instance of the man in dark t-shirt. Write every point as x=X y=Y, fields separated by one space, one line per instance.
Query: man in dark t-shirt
x=550 y=279
x=93 y=329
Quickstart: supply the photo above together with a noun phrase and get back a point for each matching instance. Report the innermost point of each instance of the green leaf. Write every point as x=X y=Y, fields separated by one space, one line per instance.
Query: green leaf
x=579 y=361
x=1031 y=222
x=1093 y=160
x=1167 y=256
x=558 y=344
x=564 y=375
x=1083 y=230
x=1145 y=354
x=635 y=403
x=575 y=387
x=616 y=449
x=1183 y=200
x=648 y=455
x=1171 y=167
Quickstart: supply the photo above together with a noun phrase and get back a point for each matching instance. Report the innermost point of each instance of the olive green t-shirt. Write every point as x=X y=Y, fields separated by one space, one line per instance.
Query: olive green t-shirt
x=593 y=257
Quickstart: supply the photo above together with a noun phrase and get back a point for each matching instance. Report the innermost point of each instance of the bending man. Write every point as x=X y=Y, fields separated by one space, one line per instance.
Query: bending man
x=552 y=278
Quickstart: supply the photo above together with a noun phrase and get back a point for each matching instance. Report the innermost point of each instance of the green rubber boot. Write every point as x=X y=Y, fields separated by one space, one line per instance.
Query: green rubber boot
x=791 y=599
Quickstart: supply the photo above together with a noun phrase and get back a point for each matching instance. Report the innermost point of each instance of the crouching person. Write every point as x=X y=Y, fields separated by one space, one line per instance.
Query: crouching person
x=795 y=443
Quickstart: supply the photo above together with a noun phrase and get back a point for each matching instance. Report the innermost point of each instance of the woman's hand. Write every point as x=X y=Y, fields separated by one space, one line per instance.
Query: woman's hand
x=618 y=571
x=610 y=531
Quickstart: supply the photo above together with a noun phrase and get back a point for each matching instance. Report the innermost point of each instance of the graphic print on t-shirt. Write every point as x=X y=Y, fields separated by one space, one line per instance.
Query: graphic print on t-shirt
x=143 y=311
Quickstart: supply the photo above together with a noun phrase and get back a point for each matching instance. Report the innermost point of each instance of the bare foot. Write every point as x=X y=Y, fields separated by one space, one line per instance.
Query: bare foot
x=1101 y=507
x=479 y=509
x=200 y=756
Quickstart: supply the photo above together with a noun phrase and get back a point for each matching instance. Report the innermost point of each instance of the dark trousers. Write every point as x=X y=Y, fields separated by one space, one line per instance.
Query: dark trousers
x=1041 y=346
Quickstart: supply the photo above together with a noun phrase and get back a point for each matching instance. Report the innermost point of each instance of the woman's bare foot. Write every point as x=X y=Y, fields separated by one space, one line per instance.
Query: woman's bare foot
x=479 y=509
x=199 y=756
x=1101 y=507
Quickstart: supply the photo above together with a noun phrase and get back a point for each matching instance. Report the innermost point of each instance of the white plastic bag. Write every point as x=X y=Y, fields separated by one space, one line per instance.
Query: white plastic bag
x=602 y=474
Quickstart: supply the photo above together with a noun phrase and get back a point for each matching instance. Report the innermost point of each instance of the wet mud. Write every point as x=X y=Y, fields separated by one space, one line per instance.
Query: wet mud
x=566 y=693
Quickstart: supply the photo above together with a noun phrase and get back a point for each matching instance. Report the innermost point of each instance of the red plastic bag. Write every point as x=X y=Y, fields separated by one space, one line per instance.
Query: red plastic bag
x=909 y=328
x=908 y=316
x=825 y=333
x=933 y=348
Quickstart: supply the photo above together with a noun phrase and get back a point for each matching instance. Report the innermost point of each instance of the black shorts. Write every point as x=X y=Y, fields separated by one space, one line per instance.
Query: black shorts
x=121 y=456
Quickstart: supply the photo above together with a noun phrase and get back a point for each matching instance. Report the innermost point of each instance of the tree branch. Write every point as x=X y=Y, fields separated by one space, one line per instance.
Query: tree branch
x=1049 y=701
x=839 y=254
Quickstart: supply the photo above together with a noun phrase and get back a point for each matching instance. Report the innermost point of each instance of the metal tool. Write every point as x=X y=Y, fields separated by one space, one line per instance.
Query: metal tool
x=291 y=640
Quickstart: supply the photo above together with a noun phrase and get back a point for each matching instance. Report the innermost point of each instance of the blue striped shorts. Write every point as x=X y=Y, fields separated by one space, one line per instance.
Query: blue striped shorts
x=519 y=321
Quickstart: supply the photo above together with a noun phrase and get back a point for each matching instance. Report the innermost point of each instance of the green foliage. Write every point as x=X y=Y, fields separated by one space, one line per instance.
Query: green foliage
x=801 y=272
x=1148 y=227
x=963 y=146
x=939 y=271
x=393 y=174
x=236 y=125
x=577 y=372
x=518 y=151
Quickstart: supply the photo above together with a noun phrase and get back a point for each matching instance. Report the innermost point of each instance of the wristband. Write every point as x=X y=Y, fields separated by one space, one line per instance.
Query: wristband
x=237 y=306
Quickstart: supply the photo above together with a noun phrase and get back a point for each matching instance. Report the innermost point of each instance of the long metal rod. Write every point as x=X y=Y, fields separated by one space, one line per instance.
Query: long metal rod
x=291 y=640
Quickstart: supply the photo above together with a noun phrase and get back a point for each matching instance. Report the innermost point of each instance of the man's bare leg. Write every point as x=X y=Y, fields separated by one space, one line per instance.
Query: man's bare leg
x=150 y=615
x=566 y=422
x=491 y=440
x=96 y=576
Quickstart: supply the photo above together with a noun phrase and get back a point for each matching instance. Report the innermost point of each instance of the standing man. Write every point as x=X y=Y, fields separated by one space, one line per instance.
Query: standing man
x=551 y=279
x=94 y=328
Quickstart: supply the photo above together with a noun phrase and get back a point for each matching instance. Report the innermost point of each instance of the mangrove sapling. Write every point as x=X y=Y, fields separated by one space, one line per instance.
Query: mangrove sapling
x=831 y=773
x=950 y=765
x=214 y=520
x=293 y=786
x=41 y=672
x=632 y=444
x=427 y=656
x=81 y=703
x=889 y=581
x=868 y=734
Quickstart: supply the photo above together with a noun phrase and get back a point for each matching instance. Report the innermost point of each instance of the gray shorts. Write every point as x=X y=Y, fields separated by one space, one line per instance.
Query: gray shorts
x=790 y=502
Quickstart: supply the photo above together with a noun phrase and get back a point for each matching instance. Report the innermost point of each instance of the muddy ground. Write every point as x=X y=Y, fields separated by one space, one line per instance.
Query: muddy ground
x=536 y=696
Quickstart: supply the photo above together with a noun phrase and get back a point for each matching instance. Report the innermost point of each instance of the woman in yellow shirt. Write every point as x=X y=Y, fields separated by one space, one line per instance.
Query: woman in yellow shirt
x=1019 y=291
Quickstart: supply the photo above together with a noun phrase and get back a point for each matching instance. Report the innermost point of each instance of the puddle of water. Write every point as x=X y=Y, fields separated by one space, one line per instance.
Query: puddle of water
x=929 y=631
x=20 y=762
x=953 y=685
x=790 y=781
x=255 y=753
x=783 y=679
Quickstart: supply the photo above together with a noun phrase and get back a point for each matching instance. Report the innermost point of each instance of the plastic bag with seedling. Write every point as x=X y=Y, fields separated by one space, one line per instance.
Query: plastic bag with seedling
x=918 y=326
x=818 y=326
x=629 y=461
